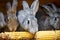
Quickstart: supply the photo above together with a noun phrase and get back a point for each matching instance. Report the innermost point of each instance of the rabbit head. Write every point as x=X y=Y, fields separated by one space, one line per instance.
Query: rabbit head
x=54 y=15
x=11 y=13
x=26 y=17
x=2 y=20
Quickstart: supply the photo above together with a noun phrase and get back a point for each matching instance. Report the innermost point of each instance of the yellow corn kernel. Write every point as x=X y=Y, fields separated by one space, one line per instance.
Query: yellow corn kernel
x=45 y=35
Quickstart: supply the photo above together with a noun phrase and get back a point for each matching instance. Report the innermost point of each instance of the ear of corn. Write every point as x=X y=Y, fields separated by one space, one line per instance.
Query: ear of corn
x=41 y=35
x=19 y=35
x=58 y=34
x=45 y=35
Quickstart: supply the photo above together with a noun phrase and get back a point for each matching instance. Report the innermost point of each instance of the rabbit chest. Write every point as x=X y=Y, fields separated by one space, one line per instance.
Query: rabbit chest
x=12 y=22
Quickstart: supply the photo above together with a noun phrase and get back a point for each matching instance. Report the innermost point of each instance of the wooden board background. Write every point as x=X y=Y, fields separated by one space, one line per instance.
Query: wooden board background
x=3 y=3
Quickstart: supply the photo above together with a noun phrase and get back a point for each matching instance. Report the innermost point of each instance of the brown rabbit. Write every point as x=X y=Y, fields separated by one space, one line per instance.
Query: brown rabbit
x=11 y=14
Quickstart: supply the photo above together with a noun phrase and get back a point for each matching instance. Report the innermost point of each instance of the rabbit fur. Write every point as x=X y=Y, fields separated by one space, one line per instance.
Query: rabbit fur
x=54 y=16
x=12 y=22
x=2 y=21
x=52 y=21
x=26 y=17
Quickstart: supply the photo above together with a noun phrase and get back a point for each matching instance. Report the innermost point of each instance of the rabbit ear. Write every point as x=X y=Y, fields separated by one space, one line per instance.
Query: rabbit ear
x=14 y=5
x=53 y=6
x=25 y=5
x=35 y=6
x=49 y=9
x=8 y=5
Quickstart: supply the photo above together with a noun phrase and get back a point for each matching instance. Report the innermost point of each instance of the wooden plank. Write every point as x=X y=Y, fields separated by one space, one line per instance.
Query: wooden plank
x=3 y=3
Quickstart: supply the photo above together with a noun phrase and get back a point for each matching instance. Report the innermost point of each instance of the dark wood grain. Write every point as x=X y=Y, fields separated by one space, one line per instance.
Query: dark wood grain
x=3 y=3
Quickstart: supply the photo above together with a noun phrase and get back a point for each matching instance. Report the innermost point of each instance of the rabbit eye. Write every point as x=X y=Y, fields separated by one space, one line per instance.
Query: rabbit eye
x=28 y=21
x=55 y=19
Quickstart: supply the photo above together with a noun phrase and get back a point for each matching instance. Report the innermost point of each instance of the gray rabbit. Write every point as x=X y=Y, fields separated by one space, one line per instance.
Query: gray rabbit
x=52 y=21
x=2 y=21
x=26 y=17
x=12 y=22
x=54 y=16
